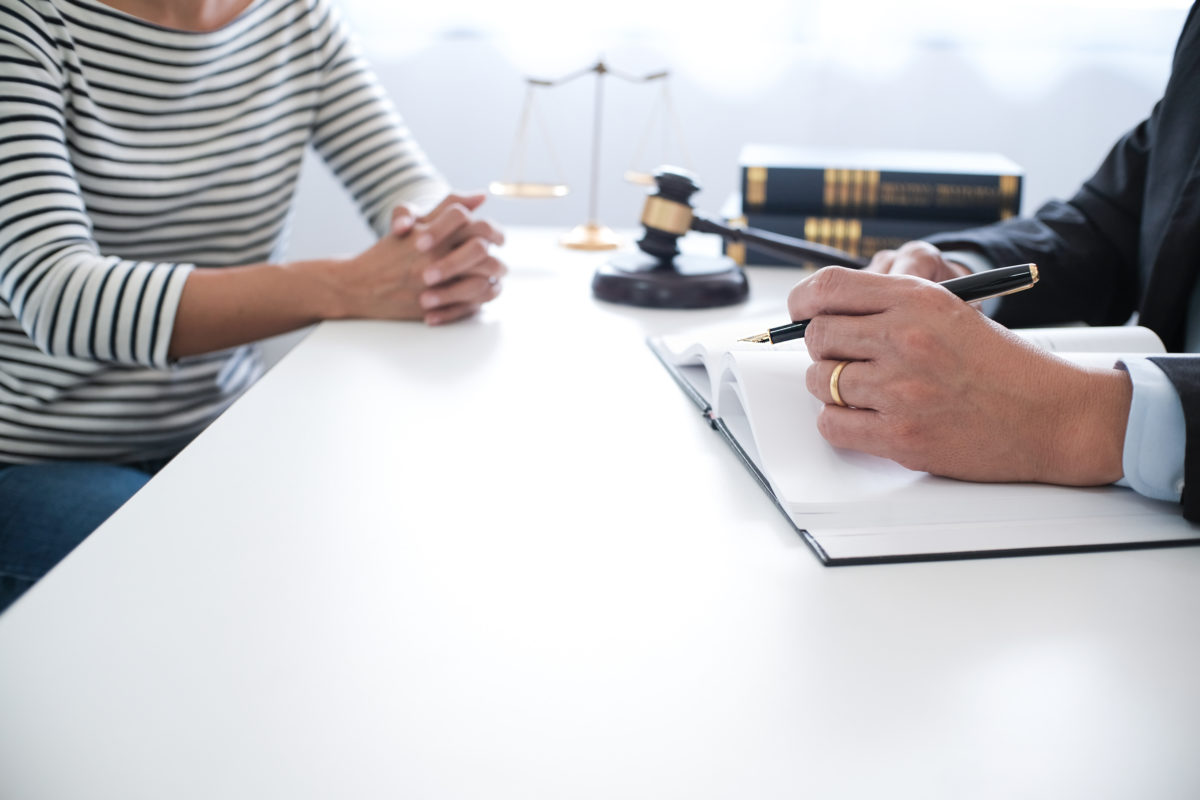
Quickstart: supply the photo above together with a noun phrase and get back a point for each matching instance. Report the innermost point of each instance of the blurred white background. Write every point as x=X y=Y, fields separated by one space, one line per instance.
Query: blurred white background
x=1050 y=84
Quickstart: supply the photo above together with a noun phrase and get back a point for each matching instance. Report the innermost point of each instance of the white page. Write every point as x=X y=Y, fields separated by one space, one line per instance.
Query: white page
x=766 y=388
x=706 y=348
x=825 y=488
x=1082 y=338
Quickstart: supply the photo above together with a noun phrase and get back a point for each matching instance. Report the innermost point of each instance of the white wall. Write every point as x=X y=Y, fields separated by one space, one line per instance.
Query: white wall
x=1055 y=113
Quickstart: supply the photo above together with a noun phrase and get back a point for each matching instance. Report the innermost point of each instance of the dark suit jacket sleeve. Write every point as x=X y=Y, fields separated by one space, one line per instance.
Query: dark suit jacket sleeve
x=1090 y=241
x=1096 y=251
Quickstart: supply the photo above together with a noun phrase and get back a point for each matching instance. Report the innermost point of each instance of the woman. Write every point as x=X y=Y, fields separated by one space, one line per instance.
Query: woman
x=149 y=151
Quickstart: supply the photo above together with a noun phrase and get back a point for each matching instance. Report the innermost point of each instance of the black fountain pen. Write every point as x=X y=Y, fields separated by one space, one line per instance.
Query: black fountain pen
x=971 y=288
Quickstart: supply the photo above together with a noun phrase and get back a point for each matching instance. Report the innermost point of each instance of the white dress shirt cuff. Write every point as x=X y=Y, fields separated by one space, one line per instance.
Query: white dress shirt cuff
x=1155 y=437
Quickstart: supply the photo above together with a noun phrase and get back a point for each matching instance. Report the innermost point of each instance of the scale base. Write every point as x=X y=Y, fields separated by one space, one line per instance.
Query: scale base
x=687 y=281
x=591 y=236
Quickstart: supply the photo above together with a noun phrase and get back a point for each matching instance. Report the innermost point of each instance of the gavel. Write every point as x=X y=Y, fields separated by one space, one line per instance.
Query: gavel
x=659 y=276
x=668 y=214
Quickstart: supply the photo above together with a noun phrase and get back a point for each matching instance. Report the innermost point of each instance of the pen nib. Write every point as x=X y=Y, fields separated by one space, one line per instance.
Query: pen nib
x=758 y=338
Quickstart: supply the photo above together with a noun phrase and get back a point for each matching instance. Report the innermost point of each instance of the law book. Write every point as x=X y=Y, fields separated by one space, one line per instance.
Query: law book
x=859 y=236
x=854 y=508
x=912 y=184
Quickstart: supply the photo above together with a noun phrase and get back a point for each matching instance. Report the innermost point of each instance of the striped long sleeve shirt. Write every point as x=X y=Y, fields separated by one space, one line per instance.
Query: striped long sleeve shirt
x=131 y=154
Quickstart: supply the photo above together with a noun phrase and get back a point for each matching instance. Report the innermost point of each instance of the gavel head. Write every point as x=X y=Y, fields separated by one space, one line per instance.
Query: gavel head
x=668 y=212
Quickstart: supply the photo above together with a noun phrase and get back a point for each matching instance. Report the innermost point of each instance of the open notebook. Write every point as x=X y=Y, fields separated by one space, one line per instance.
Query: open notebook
x=854 y=508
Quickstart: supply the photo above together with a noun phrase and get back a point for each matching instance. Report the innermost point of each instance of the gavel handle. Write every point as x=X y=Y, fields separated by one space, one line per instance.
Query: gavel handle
x=789 y=247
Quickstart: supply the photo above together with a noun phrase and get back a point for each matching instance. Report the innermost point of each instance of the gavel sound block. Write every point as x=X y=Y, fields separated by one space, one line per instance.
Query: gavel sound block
x=659 y=276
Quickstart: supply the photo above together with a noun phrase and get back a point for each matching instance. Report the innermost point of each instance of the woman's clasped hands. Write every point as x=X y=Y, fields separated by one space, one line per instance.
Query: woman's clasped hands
x=436 y=268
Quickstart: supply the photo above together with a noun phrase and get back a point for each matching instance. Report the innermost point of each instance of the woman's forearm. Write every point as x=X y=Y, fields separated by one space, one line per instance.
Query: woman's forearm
x=438 y=271
x=225 y=307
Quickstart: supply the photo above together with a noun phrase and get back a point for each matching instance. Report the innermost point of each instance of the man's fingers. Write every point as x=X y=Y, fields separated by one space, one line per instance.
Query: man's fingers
x=923 y=260
x=881 y=261
x=857 y=383
x=858 y=338
x=840 y=290
x=850 y=428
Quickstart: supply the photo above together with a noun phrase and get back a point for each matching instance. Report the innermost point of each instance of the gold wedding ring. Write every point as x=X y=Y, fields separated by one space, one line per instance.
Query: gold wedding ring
x=833 y=384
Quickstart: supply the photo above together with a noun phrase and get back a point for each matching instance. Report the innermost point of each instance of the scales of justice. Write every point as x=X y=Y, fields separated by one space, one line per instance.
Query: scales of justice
x=657 y=274
x=590 y=235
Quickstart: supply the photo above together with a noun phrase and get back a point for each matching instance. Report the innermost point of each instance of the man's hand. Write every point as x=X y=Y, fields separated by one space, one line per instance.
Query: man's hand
x=937 y=386
x=916 y=258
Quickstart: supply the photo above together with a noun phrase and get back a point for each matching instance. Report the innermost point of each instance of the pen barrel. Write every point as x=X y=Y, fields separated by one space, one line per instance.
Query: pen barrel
x=786 y=333
x=992 y=282
x=796 y=250
x=977 y=286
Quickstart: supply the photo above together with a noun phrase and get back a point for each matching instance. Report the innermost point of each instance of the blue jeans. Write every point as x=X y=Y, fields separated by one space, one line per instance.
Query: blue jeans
x=48 y=509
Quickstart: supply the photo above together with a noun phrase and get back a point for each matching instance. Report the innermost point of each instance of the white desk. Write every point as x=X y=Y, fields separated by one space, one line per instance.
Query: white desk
x=507 y=559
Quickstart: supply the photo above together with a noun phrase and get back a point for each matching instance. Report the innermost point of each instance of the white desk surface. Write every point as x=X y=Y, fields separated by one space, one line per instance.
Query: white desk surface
x=507 y=559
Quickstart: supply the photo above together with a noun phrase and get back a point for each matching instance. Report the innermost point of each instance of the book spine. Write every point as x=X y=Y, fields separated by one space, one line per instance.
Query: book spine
x=859 y=236
x=875 y=193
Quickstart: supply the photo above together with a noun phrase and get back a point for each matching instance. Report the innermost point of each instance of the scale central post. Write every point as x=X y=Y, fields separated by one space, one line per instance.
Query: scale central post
x=591 y=235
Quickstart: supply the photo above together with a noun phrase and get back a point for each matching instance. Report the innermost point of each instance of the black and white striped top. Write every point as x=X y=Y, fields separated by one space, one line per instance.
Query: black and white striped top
x=131 y=153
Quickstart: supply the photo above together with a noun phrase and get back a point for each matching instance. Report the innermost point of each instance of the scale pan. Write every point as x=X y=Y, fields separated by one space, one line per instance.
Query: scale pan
x=640 y=178
x=508 y=189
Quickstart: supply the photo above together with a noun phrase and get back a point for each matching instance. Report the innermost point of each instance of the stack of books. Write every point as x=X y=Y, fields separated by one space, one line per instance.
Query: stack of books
x=863 y=201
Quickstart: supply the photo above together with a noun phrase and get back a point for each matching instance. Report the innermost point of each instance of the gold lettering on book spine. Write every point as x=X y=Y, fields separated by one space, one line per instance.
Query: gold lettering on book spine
x=839 y=234
x=853 y=237
x=1010 y=187
x=829 y=189
x=756 y=186
x=872 y=192
x=860 y=190
x=844 y=234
